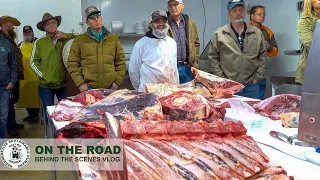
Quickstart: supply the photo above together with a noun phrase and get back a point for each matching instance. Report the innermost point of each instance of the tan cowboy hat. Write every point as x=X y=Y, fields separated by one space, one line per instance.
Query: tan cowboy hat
x=4 y=19
x=46 y=17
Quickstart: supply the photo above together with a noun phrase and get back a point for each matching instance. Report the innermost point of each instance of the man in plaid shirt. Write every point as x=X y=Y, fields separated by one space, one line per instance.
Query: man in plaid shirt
x=185 y=33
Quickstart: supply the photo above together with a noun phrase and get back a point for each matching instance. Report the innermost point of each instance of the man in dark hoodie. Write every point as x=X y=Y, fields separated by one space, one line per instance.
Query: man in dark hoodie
x=184 y=31
x=8 y=78
x=154 y=57
x=7 y=24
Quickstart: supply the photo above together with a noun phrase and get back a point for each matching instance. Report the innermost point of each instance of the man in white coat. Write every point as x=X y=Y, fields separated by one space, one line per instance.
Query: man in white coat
x=154 y=57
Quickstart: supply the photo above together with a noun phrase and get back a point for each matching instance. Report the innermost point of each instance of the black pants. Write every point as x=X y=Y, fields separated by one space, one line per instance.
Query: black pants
x=33 y=112
x=14 y=97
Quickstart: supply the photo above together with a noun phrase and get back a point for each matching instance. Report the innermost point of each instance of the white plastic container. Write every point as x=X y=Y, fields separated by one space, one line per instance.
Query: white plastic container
x=140 y=28
x=241 y=111
x=253 y=122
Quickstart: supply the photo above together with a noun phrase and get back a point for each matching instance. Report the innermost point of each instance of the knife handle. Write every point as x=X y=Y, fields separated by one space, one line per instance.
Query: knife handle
x=313 y=157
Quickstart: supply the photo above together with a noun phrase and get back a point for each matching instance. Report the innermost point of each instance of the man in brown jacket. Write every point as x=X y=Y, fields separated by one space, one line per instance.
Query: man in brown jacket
x=184 y=31
x=96 y=58
x=7 y=24
x=238 y=51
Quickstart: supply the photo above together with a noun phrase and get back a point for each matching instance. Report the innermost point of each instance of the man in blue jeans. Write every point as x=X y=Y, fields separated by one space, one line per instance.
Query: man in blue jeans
x=8 y=78
x=184 y=31
x=46 y=62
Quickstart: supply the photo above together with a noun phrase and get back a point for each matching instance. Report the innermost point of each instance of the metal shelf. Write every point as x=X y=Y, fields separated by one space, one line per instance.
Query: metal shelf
x=130 y=35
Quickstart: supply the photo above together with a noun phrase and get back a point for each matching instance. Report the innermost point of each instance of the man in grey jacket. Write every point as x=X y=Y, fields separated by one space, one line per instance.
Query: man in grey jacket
x=8 y=78
x=238 y=51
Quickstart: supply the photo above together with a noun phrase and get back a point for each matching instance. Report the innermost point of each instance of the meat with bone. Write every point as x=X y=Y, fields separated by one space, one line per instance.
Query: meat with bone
x=186 y=105
x=91 y=96
x=219 y=87
x=274 y=106
x=123 y=104
x=162 y=90
x=196 y=157
x=181 y=127
x=66 y=110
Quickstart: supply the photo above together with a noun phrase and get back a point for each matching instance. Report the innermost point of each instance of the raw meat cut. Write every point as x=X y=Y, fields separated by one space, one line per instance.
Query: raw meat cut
x=186 y=105
x=162 y=90
x=123 y=104
x=66 y=110
x=189 y=155
x=219 y=87
x=82 y=130
x=181 y=127
x=272 y=172
x=91 y=96
x=274 y=106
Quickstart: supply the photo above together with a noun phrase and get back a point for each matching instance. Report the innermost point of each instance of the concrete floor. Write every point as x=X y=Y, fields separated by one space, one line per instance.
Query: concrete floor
x=32 y=129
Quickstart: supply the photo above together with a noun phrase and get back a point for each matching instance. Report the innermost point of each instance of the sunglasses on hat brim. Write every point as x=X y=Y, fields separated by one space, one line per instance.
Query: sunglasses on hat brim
x=92 y=16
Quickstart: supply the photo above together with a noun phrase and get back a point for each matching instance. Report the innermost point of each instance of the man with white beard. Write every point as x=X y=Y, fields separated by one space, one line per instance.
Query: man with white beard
x=154 y=57
x=29 y=97
x=238 y=52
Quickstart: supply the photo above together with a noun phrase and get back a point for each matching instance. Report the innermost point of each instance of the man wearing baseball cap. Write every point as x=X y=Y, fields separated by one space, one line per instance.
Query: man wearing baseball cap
x=7 y=24
x=238 y=52
x=154 y=57
x=96 y=58
x=29 y=97
x=185 y=33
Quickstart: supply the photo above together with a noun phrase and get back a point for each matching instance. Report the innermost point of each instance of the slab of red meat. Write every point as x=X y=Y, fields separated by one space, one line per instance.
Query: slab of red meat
x=123 y=104
x=276 y=105
x=186 y=105
x=219 y=87
x=181 y=128
x=91 y=96
x=66 y=110
x=82 y=130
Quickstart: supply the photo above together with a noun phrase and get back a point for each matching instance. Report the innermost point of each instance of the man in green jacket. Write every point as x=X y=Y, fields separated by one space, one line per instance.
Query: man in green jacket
x=238 y=51
x=96 y=58
x=184 y=31
x=46 y=61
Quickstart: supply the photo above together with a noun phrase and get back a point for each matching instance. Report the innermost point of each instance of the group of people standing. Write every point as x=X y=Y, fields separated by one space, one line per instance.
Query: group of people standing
x=238 y=51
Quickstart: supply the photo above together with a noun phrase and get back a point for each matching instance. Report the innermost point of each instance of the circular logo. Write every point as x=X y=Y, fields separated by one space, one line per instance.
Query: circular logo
x=15 y=153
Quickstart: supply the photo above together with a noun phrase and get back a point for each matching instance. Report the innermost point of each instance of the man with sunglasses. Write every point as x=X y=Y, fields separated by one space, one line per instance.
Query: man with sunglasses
x=257 y=17
x=238 y=51
x=96 y=58
x=185 y=33
x=46 y=62
x=154 y=57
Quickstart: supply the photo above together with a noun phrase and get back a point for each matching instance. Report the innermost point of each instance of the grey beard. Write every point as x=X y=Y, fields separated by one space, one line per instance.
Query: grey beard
x=160 y=34
x=27 y=38
x=239 y=20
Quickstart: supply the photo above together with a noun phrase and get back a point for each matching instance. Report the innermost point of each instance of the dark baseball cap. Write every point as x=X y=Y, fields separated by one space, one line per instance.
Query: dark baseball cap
x=27 y=28
x=233 y=3
x=158 y=14
x=91 y=10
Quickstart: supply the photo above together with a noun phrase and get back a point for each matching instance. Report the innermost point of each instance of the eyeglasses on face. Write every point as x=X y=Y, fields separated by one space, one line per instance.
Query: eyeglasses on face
x=93 y=16
x=261 y=14
x=173 y=5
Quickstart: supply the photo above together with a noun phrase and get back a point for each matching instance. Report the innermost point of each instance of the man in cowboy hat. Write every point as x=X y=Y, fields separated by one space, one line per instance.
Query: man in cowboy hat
x=8 y=78
x=46 y=61
x=7 y=24
x=102 y=62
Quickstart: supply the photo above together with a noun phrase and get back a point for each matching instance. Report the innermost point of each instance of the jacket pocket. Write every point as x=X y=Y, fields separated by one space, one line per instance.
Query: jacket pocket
x=109 y=49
